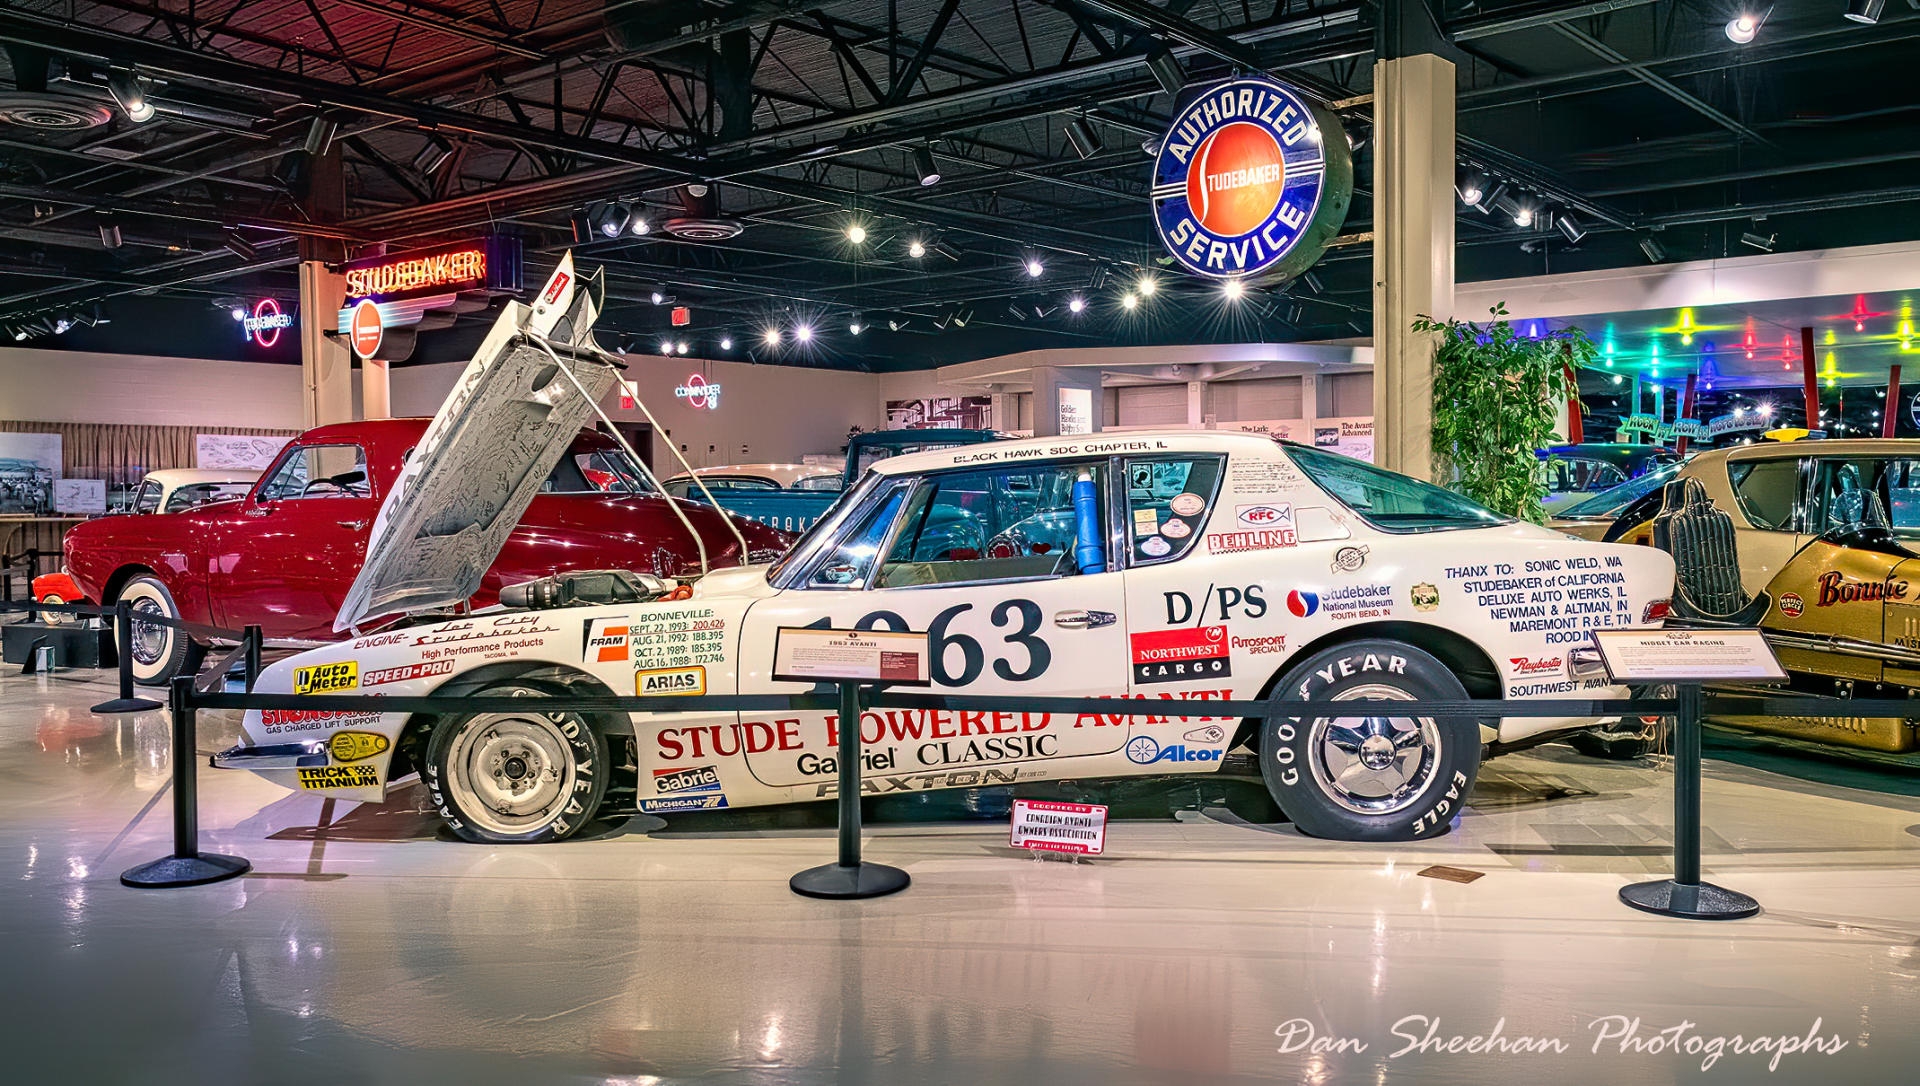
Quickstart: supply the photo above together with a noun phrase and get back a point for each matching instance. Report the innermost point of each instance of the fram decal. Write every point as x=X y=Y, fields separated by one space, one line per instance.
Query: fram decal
x=409 y=671
x=1169 y=656
x=326 y=678
x=608 y=641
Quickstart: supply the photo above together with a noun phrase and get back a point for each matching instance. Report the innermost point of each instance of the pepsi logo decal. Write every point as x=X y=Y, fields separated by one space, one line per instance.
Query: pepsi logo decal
x=1303 y=603
x=1264 y=516
x=1243 y=178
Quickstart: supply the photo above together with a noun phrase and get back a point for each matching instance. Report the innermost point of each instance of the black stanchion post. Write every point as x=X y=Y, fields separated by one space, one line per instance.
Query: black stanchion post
x=188 y=866
x=123 y=648
x=849 y=877
x=253 y=640
x=1684 y=895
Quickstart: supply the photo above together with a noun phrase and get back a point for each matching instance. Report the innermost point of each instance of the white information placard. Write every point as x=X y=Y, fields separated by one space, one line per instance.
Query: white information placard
x=806 y=654
x=85 y=497
x=1059 y=827
x=1638 y=656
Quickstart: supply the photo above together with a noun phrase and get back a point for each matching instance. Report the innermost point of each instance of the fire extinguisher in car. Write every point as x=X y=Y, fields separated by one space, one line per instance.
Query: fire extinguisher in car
x=1088 y=552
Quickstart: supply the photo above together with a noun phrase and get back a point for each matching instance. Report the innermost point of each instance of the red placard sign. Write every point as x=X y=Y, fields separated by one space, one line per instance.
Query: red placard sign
x=366 y=329
x=682 y=316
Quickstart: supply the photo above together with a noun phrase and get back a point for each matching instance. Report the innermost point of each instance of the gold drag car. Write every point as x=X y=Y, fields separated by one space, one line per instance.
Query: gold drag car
x=1818 y=543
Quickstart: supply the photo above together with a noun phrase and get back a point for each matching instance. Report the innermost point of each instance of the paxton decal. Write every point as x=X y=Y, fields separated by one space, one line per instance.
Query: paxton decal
x=1791 y=604
x=340 y=776
x=1835 y=588
x=607 y=641
x=356 y=746
x=1250 y=179
x=1264 y=540
x=326 y=678
x=403 y=674
x=703 y=778
x=1425 y=597
x=1171 y=656
x=671 y=680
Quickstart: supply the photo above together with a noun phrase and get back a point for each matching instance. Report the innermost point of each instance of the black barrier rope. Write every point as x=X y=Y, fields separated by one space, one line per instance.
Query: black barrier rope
x=250 y=642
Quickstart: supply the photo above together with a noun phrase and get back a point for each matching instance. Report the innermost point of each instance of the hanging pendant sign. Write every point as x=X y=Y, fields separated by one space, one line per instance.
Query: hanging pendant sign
x=365 y=329
x=1251 y=180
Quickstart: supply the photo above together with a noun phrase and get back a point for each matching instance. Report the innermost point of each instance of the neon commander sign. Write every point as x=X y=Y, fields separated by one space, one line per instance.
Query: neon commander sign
x=698 y=392
x=263 y=325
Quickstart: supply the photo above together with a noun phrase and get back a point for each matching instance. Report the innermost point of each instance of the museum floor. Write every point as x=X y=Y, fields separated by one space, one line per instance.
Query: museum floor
x=365 y=949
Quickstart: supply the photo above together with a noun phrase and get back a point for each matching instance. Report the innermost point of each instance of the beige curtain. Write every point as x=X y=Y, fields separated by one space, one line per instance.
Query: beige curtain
x=122 y=454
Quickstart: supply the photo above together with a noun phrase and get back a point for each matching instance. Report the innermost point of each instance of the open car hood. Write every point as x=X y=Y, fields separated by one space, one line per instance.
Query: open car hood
x=507 y=422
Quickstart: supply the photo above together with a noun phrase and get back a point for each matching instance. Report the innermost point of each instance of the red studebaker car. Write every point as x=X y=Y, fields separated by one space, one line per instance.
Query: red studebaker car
x=284 y=556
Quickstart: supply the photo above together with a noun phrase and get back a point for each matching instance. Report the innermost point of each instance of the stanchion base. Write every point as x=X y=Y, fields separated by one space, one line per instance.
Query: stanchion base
x=193 y=870
x=127 y=705
x=1701 y=901
x=860 y=880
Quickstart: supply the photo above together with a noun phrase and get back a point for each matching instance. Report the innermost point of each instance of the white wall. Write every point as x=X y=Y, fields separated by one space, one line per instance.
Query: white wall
x=73 y=386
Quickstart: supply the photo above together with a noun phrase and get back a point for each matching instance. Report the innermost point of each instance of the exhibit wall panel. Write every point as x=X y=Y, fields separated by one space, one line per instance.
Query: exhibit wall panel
x=215 y=396
x=1258 y=398
x=766 y=413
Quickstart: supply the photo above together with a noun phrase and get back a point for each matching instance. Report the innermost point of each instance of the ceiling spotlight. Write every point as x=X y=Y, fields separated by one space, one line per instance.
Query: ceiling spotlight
x=857 y=324
x=726 y=343
x=1233 y=289
x=1509 y=205
x=923 y=165
x=657 y=297
x=1147 y=286
x=1034 y=269
x=1084 y=140
x=1166 y=69
x=611 y=219
x=894 y=324
x=1485 y=204
x=1573 y=230
x=1129 y=300
x=803 y=333
x=1076 y=303
x=773 y=337
x=130 y=94
x=640 y=226
x=915 y=249
x=109 y=230
x=1018 y=311
x=433 y=156
x=1655 y=254
x=238 y=313
x=857 y=234
x=19 y=335
x=666 y=346
x=320 y=133
x=1762 y=242
x=961 y=317
x=1473 y=187
x=1741 y=28
x=1865 y=11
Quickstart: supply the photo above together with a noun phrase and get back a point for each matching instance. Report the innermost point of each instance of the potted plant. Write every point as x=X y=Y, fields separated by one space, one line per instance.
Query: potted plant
x=1495 y=395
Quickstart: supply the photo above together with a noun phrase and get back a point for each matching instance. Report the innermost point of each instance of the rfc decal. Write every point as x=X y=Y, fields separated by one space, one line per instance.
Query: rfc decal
x=1303 y=603
x=340 y=776
x=1543 y=666
x=326 y=678
x=1835 y=588
x=1425 y=597
x=1171 y=656
x=1264 y=516
x=1264 y=540
x=1791 y=604
x=703 y=778
x=403 y=674
x=686 y=681
x=356 y=746
x=1349 y=559
x=609 y=641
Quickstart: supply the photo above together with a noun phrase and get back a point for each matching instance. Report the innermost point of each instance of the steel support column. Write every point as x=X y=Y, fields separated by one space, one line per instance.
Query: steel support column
x=325 y=369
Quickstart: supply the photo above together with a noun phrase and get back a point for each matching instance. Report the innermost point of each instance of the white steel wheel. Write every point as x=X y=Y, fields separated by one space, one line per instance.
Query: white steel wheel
x=518 y=777
x=56 y=618
x=159 y=652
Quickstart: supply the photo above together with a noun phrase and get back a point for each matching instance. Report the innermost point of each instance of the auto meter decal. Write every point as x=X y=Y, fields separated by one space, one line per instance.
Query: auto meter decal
x=326 y=678
x=1251 y=179
x=1171 y=656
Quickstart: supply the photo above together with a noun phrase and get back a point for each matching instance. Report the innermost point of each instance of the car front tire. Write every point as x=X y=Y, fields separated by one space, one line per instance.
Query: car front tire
x=1374 y=777
x=523 y=777
x=159 y=652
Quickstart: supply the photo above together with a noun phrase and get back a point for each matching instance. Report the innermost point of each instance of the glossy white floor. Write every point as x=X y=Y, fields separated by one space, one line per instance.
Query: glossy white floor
x=364 y=949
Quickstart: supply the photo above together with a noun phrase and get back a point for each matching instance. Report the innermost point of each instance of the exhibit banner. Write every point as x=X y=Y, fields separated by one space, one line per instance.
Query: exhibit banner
x=809 y=654
x=954 y=412
x=236 y=450
x=1042 y=825
x=1076 y=411
x=1351 y=436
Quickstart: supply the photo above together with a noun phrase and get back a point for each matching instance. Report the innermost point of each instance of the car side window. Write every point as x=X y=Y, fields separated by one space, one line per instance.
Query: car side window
x=1768 y=491
x=819 y=483
x=148 y=500
x=853 y=558
x=1850 y=494
x=319 y=471
x=1167 y=505
x=998 y=524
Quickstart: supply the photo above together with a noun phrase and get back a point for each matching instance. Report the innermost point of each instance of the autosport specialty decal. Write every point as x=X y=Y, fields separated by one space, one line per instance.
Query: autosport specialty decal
x=1171 y=656
x=326 y=678
x=1241 y=177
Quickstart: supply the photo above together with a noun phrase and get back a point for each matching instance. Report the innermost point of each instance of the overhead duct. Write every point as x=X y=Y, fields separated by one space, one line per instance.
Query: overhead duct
x=700 y=219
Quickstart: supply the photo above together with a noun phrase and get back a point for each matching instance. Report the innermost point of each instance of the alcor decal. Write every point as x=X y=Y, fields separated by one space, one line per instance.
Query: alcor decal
x=405 y=673
x=1349 y=559
x=1835 y=588
x=326 y=678
x=703 y=778
x=1525 y=666
x=1302 y=603
x=1791 y=604
x=684 y=681
x=340 y=776
x=1264 y=516
x=1145 y=750
x=1425 y=597
x=1171 y=656
x=356 y=746
x=1236 y=542
x=607 y=641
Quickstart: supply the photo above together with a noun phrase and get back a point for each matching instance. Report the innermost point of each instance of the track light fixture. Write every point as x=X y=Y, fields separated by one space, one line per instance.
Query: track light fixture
x=894 y=324
x=611 y=218
x=109 y=230
x=1865 y=11
x=1166 y=69
x=1473 y=187
x=1484 y=205
x=1654 y=252
x=945 y=250
x=961 y=317
x=1742 y=27
x=1569 y=227
x=1524 y=213
x=130 y=94
x=1146 y=286
x=656 y=297
x=772 y=337
x=320 y=133
x=640 y=227
x=1084 y=140
x=726 y=343
x=1034 y=268
x=923 y=165
x=856 y=324
x=803 y=333
x=1076 y=304
x=915 y=249
x=1312 y=282
x=857 y=233
x=1129 y=300
x=1762 y=242
x=1233 y=289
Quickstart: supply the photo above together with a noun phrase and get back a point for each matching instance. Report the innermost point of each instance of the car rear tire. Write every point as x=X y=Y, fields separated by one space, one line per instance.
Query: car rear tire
x=56 y=618
x=1370 y=778
x=159 y=652
x=519 y=777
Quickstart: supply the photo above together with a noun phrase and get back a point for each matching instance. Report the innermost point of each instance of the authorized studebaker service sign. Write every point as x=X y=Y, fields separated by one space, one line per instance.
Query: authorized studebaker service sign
x=1251 y=180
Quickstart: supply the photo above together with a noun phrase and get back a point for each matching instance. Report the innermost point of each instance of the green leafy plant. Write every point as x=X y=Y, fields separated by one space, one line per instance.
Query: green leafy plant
x=1495 y=395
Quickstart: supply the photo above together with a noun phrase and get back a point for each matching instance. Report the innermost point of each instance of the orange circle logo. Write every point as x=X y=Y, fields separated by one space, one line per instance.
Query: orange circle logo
x=365 y=330
x=1236 y=179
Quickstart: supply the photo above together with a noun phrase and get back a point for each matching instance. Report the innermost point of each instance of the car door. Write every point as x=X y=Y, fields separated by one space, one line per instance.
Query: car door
x=996 y=584
x=285 y=557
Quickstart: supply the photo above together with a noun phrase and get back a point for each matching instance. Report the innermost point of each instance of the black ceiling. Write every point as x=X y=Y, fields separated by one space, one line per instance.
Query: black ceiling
x=1642 y=119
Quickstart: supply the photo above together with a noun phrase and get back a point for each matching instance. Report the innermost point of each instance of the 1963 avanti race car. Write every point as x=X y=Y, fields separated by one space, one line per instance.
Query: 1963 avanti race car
x=1210 y=566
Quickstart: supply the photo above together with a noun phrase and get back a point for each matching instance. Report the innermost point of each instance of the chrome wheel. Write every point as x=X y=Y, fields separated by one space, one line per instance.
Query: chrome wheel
x=1374 y=765
x=512 y=773
x=149 y=638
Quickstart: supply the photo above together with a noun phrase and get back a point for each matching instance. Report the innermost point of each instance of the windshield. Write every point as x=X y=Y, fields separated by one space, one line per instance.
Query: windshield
x=823 y=528
x=1609 y=503
x=1390 y=502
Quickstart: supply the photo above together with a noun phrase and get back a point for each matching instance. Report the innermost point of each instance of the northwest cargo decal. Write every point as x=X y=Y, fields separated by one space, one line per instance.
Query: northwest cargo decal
x=1171 y=656
x=1250 y=179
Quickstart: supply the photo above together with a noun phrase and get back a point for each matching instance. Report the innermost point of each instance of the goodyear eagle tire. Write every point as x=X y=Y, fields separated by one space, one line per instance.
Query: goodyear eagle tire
x=516 y=778
x=159 y=652
x=1370 y=778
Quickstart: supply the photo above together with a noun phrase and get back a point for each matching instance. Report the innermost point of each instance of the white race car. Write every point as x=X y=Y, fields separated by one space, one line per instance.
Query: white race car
x=1209 y=566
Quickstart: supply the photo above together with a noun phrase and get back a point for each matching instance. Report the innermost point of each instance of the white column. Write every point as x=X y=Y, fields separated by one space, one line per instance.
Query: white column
x=375 y=397
x=326 y=369
x=1412 y=250
x=1196 y=405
